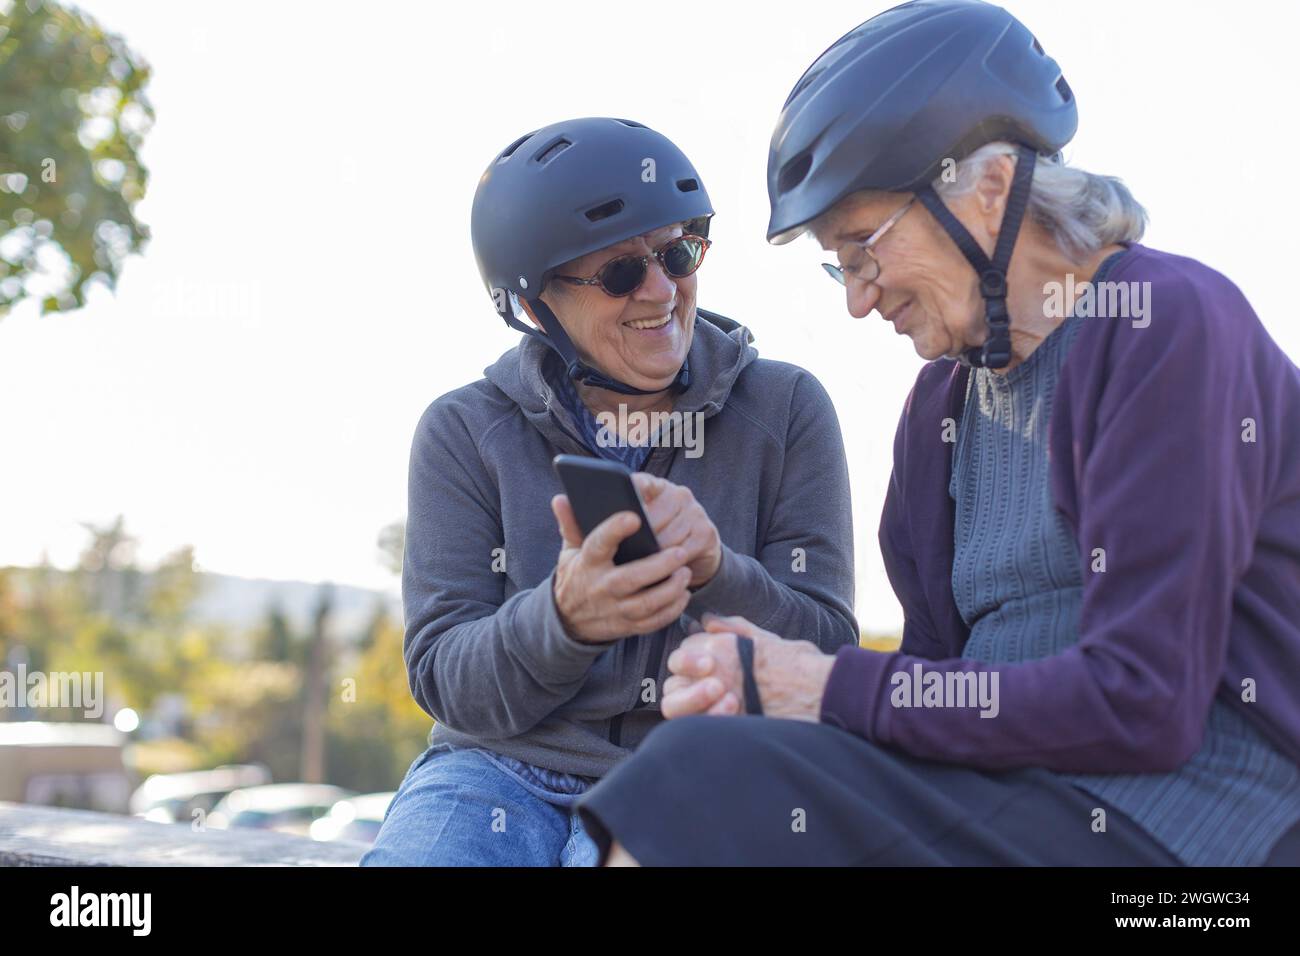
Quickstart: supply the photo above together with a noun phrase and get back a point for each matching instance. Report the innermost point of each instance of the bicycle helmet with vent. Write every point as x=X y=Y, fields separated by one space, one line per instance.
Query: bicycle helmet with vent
x=567 y=190
x=897 y=96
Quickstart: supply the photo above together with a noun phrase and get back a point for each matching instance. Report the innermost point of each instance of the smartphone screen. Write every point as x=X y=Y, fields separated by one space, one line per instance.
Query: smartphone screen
x=597 y=489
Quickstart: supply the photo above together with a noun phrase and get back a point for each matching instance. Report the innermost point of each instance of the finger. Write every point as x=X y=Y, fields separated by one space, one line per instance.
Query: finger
x=663 y=508
x=696 y=699
x=628 y=579
x=691 y=663
x=678 y=529
x=651 y=602
x=568 y=522
x=603 y=542
x=737 y=625
x=723 y=622
x=672 y=502
x=727 y=707
x=700 y=641
x=676 y=683
x=665 y=617
x=649 y=487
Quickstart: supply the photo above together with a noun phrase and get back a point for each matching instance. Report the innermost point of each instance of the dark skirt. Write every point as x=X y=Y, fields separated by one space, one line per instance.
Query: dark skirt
x=755 y=791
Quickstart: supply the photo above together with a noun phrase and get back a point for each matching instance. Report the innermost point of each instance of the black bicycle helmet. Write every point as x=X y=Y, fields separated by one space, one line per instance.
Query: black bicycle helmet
x=893 y=99
x=567 y=190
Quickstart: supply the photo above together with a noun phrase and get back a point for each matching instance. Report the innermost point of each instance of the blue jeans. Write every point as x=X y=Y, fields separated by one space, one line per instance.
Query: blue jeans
x=472 y=807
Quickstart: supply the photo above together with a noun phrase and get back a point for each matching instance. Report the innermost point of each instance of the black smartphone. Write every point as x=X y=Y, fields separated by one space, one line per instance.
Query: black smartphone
x=597 y=489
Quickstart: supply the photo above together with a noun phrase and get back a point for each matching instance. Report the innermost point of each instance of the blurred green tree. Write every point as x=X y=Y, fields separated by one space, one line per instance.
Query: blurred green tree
x=275 y=641
x=73 y=114
x=280 y=695
x=376 y=727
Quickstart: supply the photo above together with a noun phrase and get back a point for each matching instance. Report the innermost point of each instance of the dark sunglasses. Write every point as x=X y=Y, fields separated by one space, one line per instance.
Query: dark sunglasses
x=623 y=275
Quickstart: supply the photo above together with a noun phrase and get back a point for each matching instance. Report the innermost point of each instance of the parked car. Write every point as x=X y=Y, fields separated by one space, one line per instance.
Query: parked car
x=357 y=818
x=285 y=807
x=174 y=797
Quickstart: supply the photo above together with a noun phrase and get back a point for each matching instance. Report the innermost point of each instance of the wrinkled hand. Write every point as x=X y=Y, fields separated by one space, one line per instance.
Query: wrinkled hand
x=707 y=678
x=600 y=601
x=678 y=520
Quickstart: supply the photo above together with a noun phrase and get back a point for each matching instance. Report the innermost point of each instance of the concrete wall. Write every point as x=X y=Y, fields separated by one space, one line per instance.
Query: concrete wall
x=42 y=836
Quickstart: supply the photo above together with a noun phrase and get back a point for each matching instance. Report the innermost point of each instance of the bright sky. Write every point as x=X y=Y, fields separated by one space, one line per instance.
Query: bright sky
x=310 y=288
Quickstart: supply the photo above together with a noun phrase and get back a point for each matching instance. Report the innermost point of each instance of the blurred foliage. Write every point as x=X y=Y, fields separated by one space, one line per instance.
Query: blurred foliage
x=375 y=728
x=73 y=114
x=880 y=642
x=206 y=694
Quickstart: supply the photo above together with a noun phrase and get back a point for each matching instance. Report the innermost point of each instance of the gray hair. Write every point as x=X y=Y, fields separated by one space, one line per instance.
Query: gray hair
x=1082 y=211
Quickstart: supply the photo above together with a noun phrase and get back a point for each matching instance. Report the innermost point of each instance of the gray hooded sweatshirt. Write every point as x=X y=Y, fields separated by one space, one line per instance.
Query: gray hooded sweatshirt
x=486 y=654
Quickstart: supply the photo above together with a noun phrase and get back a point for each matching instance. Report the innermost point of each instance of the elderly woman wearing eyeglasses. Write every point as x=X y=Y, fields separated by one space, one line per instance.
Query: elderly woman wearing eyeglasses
x=1093 y=522
x=539 y=656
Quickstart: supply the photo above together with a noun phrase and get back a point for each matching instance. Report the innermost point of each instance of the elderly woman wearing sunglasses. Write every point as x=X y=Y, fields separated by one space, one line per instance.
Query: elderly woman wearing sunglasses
x=1093 y=523
x=540 y=658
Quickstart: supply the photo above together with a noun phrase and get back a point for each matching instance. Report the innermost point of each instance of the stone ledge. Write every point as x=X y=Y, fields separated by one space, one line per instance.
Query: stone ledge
x=45 y=836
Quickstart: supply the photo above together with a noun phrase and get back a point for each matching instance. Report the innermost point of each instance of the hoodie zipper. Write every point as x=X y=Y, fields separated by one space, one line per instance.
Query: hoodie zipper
x=654 y=663
x=655 y=659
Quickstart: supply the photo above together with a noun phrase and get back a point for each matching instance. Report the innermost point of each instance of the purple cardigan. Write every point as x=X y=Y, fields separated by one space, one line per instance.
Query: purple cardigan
x=1201 y=531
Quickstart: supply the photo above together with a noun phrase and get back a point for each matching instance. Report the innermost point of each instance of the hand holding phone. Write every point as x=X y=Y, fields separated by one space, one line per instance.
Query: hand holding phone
x=598 y=489
x=598 y=598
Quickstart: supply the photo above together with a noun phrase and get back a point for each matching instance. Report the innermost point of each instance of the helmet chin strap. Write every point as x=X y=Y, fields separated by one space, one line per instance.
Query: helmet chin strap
x=558 y=340
x=996 y=350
